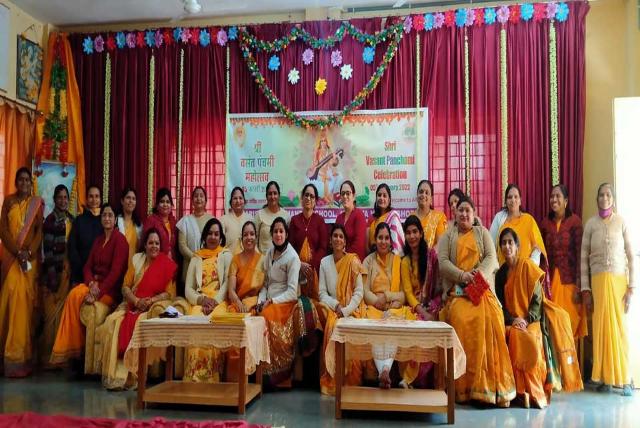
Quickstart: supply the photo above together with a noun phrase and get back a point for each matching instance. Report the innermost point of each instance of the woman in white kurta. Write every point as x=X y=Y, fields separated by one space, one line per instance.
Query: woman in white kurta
x=234 y=219
x=190 y=227
x=266 y=216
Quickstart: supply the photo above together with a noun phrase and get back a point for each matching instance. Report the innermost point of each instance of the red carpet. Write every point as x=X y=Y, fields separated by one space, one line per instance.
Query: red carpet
x=60 y=421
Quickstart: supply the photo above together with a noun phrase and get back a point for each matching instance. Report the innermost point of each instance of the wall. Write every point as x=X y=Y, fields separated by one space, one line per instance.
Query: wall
x=613 y=70
x=19 y=22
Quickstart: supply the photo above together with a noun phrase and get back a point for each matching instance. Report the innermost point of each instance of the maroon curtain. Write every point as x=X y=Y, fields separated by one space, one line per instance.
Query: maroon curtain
x=571 y=100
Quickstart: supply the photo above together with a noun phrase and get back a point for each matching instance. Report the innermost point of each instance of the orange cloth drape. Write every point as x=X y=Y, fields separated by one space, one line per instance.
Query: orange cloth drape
x=17 y=136
x=74 y=116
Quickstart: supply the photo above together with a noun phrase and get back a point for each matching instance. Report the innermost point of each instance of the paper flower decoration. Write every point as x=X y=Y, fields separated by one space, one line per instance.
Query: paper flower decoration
x=98 y=44
x=150 y=38
x=526 y=11
x=294 y=76
x=552 y=8
x=140 y=39
x=346 y=71
x=131 y=40
x=367 y=54
x=222 y=37
x=121 y=40
x=438 y=20
x=185 y=36
x=320 y=86
x=503 y=14
x=479 y=17
x=471 y=17
x=418 y=22
x=461 y=17
x=167 y=36
x=428 y=21
x=514 y=13
x=307 y=56
x=449 y=18
x=111 y=43
x=539 y=11
x=232 y=33
x=408 y=23
x=205 y=38
x=158 y=39
x=177 y=34
x=490 y=16
x=194 y=37
x=274 y=63
x=87 y=45
x=563 y=12
x=336 y=58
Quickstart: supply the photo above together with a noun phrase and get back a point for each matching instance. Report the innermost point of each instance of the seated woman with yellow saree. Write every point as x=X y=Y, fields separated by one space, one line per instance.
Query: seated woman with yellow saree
x=384 y=213
x=206 y=291
x=150 y=279
x=519 y=289
x=384 y=298
x=341 y=291
x=103 y=273
x=21 y=234
x=465 y=251
x=246 y=274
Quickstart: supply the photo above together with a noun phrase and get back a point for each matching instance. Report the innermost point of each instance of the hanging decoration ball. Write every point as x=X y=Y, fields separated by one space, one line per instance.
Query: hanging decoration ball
x=293 y=76
x=346 y=71
x=368 y=54
x=222 y=37
x=307 y=56
x=87 y=45
x=274 y=63
x=320 y=86
x=336 y=58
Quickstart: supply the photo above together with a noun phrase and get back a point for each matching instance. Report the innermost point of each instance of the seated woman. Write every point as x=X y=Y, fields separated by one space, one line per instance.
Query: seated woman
x=384 y=298
x=150 y=279
x=384 y=213
x=519 y=289
x=465 y=251
x=246 y=273
x=206 y=291
x=341 y=290
x=103 y=273
x=278 y=304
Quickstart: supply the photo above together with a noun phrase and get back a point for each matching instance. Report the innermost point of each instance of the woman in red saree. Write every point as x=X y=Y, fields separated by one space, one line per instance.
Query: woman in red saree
x=164 y=222
x=149 y=280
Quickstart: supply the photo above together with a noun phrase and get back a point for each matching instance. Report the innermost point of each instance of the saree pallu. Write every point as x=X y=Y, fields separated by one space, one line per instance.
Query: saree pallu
x=284 y=324
x=563 y=295
x=526 y=351
x=489 y=376
x=70 y=338
x=52 y=306
x=610 y=346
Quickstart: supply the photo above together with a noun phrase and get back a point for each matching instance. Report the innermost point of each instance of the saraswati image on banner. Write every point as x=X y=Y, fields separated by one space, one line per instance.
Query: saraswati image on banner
x=371 y=147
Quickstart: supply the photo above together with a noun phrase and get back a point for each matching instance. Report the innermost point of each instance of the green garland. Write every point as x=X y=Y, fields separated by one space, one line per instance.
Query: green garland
x=395 y=33
x=553 y=95
x=300 y=33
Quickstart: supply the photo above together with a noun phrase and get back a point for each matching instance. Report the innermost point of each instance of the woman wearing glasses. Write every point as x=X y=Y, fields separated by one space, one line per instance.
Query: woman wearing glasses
x=352 y=218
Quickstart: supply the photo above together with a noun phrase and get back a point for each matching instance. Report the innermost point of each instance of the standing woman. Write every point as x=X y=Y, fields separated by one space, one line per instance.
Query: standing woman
x=452 y=200
x=55 y=268
x=266 y=216
x=190 y=227
x=512 y=215
x=383 y=213
x=341 y=290
x=562 y=234
x=164 y=222
x=206 y=291
x=353 y=220
x=84 y=231
x=308 y=235
x=233 y=221
x=434 y=223
x=607 y=286
x=465 y=251
x=127 y=221
x=21 y=235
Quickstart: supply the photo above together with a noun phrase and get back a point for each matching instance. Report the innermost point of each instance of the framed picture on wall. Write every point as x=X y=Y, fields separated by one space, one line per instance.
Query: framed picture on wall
x=28 y=70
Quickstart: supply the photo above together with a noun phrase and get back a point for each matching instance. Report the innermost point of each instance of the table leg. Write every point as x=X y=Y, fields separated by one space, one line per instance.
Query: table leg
x=442 y=364
x=259 y=370
x=142 y=376
x=451 y=388
x=339 y=378
x=168 y=368
x=242 y=381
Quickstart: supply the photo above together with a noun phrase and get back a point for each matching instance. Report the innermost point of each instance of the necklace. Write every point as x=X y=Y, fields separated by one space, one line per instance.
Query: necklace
x=306 y=223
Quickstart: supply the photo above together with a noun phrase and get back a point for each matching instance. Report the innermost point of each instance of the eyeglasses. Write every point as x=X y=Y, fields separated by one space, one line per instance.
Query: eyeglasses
x=346 y=193
x=309 y=196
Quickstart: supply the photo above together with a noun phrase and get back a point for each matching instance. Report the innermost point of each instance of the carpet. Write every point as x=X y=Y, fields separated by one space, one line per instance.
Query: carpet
x=30 y=419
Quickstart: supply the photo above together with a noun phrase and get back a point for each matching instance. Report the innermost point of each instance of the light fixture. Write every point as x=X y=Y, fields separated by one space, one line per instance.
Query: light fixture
x=192 y=6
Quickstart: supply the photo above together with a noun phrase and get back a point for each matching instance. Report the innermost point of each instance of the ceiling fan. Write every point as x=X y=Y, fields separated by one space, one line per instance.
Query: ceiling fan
x=194 y=7
x=190 y=7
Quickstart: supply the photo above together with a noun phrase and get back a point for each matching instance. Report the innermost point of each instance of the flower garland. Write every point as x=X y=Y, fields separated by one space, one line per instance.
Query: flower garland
x=337 y=118
x=504 y=114
x=467 y=115
x=151 y=124
x=107 y=130
x=180 y=125
x=553 y=94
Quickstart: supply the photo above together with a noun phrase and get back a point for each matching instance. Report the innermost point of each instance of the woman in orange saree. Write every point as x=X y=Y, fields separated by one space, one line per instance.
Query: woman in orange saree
x=150 y=279
x=465 y=251
x=341 y=293
x=21 y=234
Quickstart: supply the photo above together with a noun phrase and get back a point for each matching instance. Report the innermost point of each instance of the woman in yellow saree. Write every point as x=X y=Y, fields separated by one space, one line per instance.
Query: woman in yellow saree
x=21 y=234
x=434 y=222
x=464 y=252
x=206 y=291
x=341 y=291
x=385 y=298
x=384 y=213
x=150 y=279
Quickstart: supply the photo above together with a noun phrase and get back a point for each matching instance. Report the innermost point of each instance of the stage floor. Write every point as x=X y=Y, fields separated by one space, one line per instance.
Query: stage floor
x=51 y=393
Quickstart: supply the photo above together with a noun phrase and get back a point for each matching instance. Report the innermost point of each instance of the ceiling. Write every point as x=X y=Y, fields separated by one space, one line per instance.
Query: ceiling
x=82 y=12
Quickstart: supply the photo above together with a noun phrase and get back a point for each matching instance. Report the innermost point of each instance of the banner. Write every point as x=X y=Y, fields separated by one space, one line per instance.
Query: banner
x=371 y=147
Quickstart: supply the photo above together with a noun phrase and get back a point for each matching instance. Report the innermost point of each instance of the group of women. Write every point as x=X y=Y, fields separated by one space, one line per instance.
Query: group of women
x=517 y=296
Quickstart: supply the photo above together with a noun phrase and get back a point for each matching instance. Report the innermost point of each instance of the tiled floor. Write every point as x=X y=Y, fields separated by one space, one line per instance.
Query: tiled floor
x=51 y=393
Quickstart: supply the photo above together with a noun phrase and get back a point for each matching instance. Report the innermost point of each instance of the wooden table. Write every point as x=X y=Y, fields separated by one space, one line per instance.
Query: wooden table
x=157 y=337
x=419 y=341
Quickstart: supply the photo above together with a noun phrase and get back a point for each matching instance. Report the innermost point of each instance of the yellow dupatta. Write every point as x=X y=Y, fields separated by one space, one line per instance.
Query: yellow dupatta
x=209 y=261
x=372 y=228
